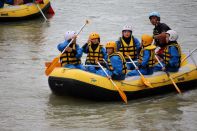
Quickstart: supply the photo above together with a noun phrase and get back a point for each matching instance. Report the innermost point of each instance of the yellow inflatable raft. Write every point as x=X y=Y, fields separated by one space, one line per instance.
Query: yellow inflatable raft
x=78 y=83
x=22 y=12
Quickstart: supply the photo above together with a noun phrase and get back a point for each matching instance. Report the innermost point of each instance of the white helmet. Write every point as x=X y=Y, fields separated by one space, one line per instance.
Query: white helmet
x=69 y=35
x=127 y=27
x=173 y=35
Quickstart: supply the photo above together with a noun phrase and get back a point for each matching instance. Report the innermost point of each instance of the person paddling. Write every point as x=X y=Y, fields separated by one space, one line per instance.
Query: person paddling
x=116 y=63
x=146 y=57
x=95 y=52
x=128 y=45
x=71 y=58
x=172 y=53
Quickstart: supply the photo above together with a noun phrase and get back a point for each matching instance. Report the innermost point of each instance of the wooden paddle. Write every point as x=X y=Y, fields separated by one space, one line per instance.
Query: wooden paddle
x=122 y=94
x=55 y=61
x=41 y=11
x=168 y=74
x=145 y=81
x=188 y=55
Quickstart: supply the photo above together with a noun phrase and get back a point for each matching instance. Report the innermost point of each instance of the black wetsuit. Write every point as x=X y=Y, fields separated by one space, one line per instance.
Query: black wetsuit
x=161 y=27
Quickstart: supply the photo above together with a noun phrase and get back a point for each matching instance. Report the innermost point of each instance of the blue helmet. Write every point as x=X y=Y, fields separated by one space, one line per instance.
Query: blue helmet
x=154 y=14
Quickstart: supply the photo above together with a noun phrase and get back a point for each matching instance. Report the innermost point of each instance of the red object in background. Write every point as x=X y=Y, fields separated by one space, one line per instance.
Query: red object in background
x=160 y=51
x=50 y=11
x=40 y=1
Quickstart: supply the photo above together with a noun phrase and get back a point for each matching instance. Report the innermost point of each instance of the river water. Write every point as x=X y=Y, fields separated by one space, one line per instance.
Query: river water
x=26 y=102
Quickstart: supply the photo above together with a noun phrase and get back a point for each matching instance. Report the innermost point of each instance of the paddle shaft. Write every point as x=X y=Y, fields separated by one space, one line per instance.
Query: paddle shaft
x=41 y=12
x=105 y=61
x=193 y=60
x=122 y=94
x=146 y=82
x=189 y=55
x=102 y=69
x=134 y=65
x=76 y=36
x=168 y=74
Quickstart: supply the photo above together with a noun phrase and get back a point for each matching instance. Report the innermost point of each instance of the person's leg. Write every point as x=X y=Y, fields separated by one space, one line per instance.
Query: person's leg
x=132 y=73
x=130 y=65
x=118 y=77
x=80 y=66
x=157 y=67
x=144 y=71
x=102 y=73
x=172 y=69
x=70 y=66
x=91 y=69
x=150 y=71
